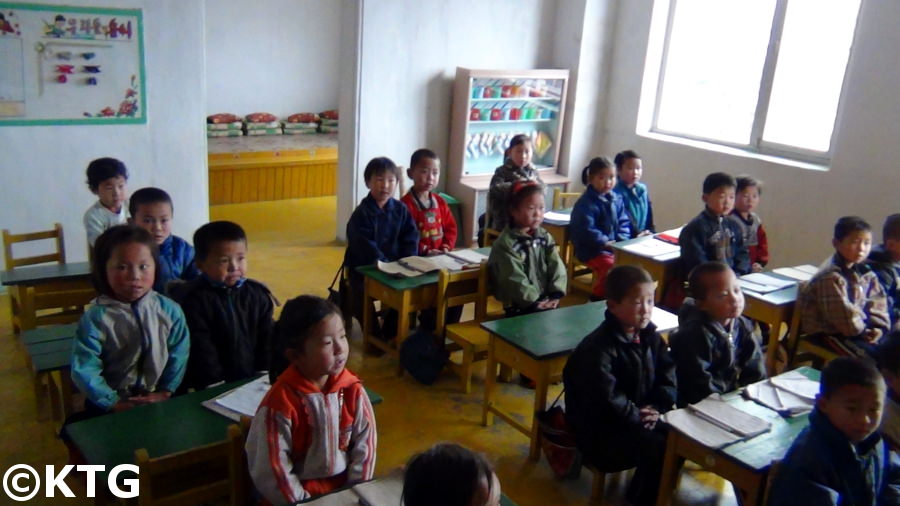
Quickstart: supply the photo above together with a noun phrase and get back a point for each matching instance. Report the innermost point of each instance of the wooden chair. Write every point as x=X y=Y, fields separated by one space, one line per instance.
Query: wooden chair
x=575 y=270
x=560 y=199
x=800 y=347
x=455 y=289
x=598 y=483
x=195 y=476
x=490 y=235
x=45 y=303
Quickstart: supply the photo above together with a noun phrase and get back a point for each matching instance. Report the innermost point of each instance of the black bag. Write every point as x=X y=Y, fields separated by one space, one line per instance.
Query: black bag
x=421 y=355
x=338 y=296
x=558 y=442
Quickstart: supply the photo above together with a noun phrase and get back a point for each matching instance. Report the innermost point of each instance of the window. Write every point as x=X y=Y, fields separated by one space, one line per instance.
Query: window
x=762 y=75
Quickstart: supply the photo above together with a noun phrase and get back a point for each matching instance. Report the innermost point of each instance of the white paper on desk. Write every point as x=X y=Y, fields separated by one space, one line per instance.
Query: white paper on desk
x=700 y=430
x=652 y=248
x=382 y=491
x=765 y=279
x=345 y=497
x=797 y=384
x=468 y=256
x=782 y=401
x=794 y=273
x=811 y=269
x=245 y=398
x=755 y=287
x=729 y=417
x=664 y=320
x=555 y=216
x=396 y=269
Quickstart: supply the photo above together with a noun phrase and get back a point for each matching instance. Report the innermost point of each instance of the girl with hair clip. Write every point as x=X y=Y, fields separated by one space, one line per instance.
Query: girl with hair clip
x=516 y=167
x=635 y=196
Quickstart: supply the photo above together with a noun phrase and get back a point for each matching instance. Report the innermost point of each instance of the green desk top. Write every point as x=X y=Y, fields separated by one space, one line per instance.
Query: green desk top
x=549 y=333
x=178 y=424
x=48 y=333
x=759 y=452
x=45 y=273
x=400 y=283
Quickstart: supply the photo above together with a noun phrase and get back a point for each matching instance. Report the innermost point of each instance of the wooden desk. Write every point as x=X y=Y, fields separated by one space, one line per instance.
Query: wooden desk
x=71 y=286
x=773 y=308
x=662 y=268
x=559 y=229
x=402 y=294
x=538 y=345
x=746 y=464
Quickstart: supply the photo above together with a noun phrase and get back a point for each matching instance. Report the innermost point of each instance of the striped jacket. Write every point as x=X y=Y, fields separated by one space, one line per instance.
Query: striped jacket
x=306 y=442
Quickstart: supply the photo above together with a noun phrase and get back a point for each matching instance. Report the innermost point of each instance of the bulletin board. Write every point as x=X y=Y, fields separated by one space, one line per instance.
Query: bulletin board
x=62 y=65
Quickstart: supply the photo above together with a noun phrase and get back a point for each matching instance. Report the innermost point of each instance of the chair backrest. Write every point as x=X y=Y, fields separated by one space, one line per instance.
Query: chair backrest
x=194 y=476
x=490 y=235
x=794 y=332
x=560 y=198
x=458 y=288
x=10 y=239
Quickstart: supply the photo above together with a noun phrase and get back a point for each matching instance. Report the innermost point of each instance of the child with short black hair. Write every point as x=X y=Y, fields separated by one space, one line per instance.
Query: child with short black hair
x=152 y=209
x=229 y=315
x=448 y=474
x=598 y=220
x=630 y=170
x=380 y=229
x=840 y=459
x=884 y=260
x=106 y=178
x=889 y=365
x=844 y=302
x=526 y=271
x=516 y=167
x=618 y=381
x=314 y=430
x=711 y=235
x=716 y=350
x=749 y=190
x=131 y=345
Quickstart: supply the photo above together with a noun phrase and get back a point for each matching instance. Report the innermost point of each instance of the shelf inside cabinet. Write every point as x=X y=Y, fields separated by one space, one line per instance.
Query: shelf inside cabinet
x=501 y=121
x=517 y=99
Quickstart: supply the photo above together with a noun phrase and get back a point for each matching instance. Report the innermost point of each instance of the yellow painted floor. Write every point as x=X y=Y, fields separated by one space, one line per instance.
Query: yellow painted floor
x=292 y=250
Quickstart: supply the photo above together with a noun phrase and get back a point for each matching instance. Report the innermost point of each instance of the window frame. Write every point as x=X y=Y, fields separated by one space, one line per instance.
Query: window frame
x=756 y=143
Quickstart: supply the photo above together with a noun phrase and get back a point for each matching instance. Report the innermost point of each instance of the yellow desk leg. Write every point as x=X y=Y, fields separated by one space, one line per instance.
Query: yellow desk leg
x=402 y=325
x=490 y=383
x=27 y=312
x=671 y=468
x=540 y=404
x=772 y=346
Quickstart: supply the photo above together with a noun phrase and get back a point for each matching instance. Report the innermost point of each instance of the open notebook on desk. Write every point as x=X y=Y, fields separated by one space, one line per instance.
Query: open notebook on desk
x=413 y=266
x=241 y=401
x=800 y=272
x=652 y=247
x=788 y=394
x=378 y=492
x=715 y=423
x=763 y=283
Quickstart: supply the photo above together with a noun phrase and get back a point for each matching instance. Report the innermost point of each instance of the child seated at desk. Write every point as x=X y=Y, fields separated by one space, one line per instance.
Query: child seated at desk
x=380 y=228
x=598 y=220
x=889 y=364
x=711 y=235
x=618 y=381
x=884 y=260
x=430 y=212
x=152 y=210
x=716 y=350
x=839 y=459
x=749 y=189
x=629 y=170
x=106 y=178
x=131 y=346
x=844 y=302
x=314 y=431
x=448 y=474
x=516 y=167
x=526 y=272
x=229 y=315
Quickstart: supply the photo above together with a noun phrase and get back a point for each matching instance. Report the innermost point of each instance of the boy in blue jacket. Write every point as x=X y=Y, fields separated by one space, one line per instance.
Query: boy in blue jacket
x=152 y=210
x=884 y=260
x=380 y=228
x=711 y=235
x=840 y=459
x=598 y=220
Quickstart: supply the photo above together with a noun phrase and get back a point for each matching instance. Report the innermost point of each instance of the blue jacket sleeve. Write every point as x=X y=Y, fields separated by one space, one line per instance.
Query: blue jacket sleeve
x=179 y=344
x=585 y=229
x=87 y=366
x=408 y=236
x=189 y=269
x=623 y=223
x=650 y=226
x=362 y=247
x=692 y=251
x=741 y=252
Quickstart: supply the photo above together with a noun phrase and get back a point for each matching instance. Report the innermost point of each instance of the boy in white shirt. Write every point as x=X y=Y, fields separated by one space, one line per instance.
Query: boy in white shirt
x=106 y=177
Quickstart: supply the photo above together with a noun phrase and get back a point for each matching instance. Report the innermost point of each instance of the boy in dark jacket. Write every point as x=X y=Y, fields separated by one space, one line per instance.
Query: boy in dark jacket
x=618 y=381
x=715 y=348
x=380 y=228
x=229 y=316
x=884 y=260
x=840 y=459
x=711 y=235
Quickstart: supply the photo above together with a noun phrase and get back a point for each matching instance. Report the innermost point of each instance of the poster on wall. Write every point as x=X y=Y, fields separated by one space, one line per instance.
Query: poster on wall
x=63 y=65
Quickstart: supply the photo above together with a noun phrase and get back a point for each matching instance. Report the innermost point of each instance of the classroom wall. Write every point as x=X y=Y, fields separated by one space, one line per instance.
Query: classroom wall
x=277 y=56
x=42 y=169
x=408 y=54
x=799 y=206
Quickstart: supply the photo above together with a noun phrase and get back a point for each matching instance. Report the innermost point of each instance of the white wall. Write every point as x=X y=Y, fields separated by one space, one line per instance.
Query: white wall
x=42 y=170
x=409 y=53
x=277 y=56
x=799 y=206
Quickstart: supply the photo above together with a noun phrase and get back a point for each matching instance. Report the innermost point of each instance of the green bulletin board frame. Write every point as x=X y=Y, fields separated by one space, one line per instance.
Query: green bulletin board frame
x=139 y=80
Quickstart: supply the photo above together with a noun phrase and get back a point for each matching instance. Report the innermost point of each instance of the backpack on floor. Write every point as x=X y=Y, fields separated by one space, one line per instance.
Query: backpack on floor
x=423 y=357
